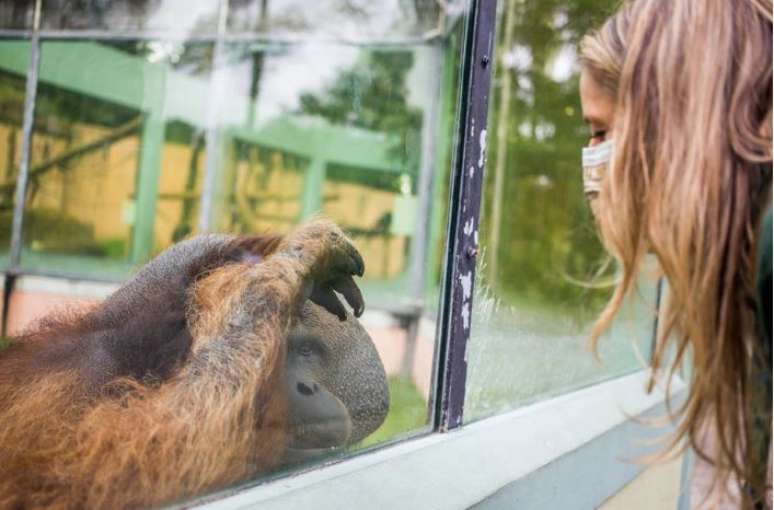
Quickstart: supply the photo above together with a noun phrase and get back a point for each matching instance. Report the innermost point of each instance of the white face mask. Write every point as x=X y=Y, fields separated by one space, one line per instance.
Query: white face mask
x=596 y=161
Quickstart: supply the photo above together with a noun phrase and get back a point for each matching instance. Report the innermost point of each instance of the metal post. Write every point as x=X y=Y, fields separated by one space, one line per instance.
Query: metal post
x=20 y=195
x=148 y=170
x=465 y=209
x=314 y=179
x=421 y=241
x=213 y=147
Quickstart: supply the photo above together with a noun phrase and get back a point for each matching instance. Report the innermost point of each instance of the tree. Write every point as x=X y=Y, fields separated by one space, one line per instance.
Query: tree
x=373 y=95
x=544 y=237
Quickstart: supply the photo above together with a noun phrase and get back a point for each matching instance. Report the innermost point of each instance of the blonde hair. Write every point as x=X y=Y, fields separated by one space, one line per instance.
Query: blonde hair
x=692 y=81
x=602 y=51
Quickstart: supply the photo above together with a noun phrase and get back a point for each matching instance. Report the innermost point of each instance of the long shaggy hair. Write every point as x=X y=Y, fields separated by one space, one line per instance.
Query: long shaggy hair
x=135 y=444
x=692 y=81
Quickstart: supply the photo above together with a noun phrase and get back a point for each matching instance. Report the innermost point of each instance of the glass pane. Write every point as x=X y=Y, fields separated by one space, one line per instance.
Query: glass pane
x=117 y=152
x=361 y=134
x=181 y=16
x=14 y=59
x=180 y=182
x=339 y=130
x=137 y=142
x=16 y=14
x=534 y=305
x=345 y=19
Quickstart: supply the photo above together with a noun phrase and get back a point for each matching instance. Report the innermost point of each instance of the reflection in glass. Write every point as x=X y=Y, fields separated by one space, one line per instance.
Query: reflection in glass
x=14 y=56
x=182 y=16
x=534 y=307
x=16 y=14
x=180 y=184
x=108 y=136
x=344 y=19
x=337 y=130
x=139 y=143
x=362 y=135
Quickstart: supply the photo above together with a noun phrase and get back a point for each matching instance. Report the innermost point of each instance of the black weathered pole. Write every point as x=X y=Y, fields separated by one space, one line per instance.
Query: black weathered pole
x=465 y=208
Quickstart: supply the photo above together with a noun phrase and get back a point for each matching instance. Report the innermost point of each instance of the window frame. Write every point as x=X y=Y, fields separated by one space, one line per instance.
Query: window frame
x=465 y=209
x=465 y=196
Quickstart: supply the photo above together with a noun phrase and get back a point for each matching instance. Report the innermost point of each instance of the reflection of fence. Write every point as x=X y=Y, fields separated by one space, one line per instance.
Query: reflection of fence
x=153 y=90
x=157 y=100
x=321 y=146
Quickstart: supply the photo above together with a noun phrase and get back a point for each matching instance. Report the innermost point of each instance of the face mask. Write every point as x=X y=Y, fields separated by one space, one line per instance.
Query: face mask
x=596 y=161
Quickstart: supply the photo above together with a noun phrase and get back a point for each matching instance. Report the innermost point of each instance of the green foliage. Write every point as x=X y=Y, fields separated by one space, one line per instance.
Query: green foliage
x=408 y=411
x=547 y=238
x=373 y=95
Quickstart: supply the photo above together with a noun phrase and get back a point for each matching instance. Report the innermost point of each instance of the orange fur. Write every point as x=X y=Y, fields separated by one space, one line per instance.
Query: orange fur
x=196 y=432
x=220 y=418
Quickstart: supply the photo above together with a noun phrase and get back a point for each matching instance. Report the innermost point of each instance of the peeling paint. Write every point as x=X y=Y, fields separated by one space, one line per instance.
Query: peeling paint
x=468 y=176
x=465 y=317
x=466 y=280
x=468 y=228
x=482 y=148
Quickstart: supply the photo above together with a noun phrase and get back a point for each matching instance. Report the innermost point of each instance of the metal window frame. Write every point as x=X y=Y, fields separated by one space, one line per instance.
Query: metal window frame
x=465 y=197
x=28 y=118
x=465 y=205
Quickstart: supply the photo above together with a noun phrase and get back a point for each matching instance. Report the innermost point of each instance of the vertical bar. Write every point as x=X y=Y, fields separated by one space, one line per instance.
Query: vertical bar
x=213 y=148
x=148 y=170
x=314 y=179
x=224 y=187
x=444 y=156
x=17 y=225
x=465 y=208
x=420 y=244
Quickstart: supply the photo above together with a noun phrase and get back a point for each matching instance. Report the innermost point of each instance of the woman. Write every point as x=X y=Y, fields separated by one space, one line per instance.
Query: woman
x=678 y=96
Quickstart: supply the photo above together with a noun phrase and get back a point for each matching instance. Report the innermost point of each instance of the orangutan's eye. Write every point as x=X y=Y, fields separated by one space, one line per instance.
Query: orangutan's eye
x=305 y=349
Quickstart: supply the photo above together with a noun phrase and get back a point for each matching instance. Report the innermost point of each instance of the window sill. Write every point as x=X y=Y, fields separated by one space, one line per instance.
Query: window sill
x=524 y=456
